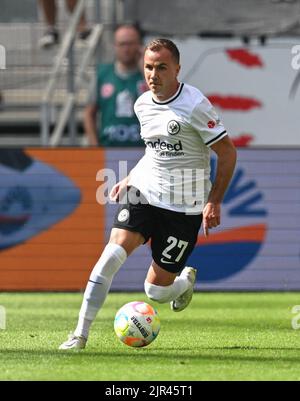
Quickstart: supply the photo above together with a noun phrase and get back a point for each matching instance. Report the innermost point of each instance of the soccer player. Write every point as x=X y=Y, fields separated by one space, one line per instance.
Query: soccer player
x=179 y=126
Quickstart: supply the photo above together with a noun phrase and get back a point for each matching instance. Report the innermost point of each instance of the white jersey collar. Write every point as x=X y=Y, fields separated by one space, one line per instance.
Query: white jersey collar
x=171 y=99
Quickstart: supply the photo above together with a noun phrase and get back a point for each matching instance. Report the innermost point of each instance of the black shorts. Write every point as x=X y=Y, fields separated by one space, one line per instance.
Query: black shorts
x=173 y=235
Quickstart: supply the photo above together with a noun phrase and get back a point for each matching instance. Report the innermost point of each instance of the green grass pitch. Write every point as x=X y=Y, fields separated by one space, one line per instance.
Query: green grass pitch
x=221 y=336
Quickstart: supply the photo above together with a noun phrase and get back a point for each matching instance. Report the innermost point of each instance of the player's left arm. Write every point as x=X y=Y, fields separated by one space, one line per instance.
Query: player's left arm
x=226 y=154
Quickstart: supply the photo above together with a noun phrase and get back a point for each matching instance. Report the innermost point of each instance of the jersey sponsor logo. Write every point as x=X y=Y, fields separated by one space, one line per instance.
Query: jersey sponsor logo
x=163 y=145
x=123 y=215
x=173 y=127
x=211 y=124
x=107 y=90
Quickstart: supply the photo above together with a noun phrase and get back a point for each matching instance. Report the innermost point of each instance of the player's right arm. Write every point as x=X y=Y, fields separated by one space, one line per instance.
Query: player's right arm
x=226 y=154
x=213 y=133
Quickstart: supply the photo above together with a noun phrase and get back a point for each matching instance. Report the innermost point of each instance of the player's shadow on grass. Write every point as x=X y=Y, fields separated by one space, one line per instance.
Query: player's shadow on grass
x=186 y=358
x=141 y=356
x=214 y=324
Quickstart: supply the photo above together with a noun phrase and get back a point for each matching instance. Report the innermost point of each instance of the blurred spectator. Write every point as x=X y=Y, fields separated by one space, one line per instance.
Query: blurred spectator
x=51 y=35
x=109 y=117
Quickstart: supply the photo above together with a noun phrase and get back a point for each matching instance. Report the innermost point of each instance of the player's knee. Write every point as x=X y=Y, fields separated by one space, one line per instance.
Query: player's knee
x=157 y=293
x=112 y=258
x=128 y=240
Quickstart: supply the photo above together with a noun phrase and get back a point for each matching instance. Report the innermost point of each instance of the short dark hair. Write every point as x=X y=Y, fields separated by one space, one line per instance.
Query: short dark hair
x=134 y=26
x=160 y=43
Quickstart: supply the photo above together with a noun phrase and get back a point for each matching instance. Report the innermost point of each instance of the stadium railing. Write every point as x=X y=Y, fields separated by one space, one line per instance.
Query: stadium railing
x=67 y=52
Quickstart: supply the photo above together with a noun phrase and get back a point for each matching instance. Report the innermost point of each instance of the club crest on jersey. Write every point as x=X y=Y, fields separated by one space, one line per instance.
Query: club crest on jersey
x=123 y=215
x=173 y=127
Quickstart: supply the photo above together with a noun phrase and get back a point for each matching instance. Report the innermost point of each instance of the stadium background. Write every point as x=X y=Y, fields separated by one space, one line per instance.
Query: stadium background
x=50 y=222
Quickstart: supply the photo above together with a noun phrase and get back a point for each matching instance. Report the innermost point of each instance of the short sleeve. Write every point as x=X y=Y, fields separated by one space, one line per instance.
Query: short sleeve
x=136 y=109
x=206 y=122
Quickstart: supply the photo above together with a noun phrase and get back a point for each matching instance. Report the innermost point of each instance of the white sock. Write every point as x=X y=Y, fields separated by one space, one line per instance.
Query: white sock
x=168 y=293
x=98 y=286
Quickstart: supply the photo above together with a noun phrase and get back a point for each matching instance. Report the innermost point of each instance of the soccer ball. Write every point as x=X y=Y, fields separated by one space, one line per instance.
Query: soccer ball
x=137 y=324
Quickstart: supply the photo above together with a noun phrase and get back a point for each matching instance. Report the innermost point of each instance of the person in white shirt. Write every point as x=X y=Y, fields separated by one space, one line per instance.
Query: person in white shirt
x=168 y=194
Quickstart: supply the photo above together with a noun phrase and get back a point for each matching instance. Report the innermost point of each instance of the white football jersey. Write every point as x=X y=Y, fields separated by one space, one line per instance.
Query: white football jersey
x=174 y=173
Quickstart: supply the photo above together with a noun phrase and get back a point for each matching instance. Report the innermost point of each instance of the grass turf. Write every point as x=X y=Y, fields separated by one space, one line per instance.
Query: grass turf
x=219 y=337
